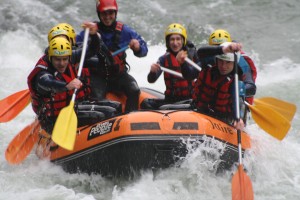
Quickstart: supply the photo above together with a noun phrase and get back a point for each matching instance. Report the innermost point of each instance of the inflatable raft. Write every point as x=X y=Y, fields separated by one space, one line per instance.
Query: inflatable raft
x=145 y=139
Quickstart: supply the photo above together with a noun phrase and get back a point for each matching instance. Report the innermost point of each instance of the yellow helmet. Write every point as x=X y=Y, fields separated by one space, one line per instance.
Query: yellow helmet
x=62 y=29
x=176 y=29
x=59 y=47
x=218 y=37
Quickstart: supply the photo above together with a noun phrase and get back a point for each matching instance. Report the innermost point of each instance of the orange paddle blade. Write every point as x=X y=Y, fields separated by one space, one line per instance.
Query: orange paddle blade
x=22 y=144
x=241 y=185
x=12 y=105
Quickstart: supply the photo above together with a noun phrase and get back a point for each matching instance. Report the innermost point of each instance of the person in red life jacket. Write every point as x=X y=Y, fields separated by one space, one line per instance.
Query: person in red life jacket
x=67 y=31
x=177 y=88
x=213 y=92
x=53 y=80
x=247 y=65
x=113 y=74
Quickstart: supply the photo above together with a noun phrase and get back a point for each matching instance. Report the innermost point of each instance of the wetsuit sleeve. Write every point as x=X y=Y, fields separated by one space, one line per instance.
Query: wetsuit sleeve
x=209 y=51
x=152 y=77
x=129 y=34
x=46 y=84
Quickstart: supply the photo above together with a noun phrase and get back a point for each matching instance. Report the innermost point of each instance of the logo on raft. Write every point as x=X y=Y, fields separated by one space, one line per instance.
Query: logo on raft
x=220 y=127
x=101 y=129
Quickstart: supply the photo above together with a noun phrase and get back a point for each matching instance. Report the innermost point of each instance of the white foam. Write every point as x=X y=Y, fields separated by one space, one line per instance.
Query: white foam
x=278 y=71
x=140 y=67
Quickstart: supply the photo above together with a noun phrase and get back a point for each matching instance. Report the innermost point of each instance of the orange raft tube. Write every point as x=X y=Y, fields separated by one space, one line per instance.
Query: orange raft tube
x=145 y=139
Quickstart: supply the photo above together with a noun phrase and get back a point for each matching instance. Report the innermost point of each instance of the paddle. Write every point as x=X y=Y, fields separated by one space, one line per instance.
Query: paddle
x=64 y=131
x=286 y=109
x=270 y=120
x=171 y=72
x=120 y=50
x=193 y=64
x=22 y=144
x=12 y=105
x=241 y=184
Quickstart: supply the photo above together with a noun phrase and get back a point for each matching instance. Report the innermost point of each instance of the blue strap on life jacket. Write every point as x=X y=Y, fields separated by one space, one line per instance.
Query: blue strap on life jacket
x=242 y=89
x=242 y=93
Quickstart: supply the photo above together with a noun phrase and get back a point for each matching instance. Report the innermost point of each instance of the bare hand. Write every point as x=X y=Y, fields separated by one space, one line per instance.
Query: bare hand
x=75 y=83
x=92 y=26
x=239 y=125
x=181 y=56
x=134 y=45
x=232 y=47
x=155 y=68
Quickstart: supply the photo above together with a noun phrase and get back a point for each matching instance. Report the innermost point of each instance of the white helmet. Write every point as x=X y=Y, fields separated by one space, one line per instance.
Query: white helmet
x=228 y=56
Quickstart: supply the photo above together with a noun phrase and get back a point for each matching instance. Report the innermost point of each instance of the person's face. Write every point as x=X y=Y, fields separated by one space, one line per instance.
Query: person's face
x=60 y=63
x=176 y=42
x=108 y=17
x=225 y=67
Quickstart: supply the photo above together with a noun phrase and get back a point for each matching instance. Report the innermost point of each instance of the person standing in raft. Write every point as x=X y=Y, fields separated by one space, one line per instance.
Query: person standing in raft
x=214 y=88
x=113 y=74
x=53 y=80
x=177 y=88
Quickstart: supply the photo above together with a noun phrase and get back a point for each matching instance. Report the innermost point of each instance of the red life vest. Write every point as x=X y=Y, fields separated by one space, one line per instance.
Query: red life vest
x=253 y=71
x=51 y=106
x=176 y=87
x=119 y=59
x=213 y=94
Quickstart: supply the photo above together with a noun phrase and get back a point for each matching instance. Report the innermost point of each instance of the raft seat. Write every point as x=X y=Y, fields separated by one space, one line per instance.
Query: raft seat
x=159 y=104
x=175 y=107
x=98 y=111
x=180 y=105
